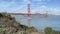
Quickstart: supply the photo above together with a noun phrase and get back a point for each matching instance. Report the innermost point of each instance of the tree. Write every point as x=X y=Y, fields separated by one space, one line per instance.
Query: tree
x=48 y=30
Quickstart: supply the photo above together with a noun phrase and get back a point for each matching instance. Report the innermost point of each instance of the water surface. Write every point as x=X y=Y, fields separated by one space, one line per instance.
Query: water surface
x=40 y=22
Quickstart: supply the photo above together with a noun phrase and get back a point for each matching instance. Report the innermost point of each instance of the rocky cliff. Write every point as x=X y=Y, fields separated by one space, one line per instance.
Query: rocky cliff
x=8 y=25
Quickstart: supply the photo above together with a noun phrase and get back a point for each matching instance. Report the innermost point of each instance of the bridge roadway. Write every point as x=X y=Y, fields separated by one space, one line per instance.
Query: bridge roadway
x=20 y=14
x=37 y=14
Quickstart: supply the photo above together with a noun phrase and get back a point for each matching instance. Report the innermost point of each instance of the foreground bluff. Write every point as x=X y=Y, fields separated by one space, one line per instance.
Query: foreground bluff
x=8 y=25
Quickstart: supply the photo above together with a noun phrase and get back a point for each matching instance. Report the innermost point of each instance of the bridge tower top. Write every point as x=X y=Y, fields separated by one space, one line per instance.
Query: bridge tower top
x=28 y=9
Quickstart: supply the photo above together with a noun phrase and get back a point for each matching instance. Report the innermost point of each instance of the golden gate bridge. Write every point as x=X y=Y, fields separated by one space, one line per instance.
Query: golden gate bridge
x=28 y=14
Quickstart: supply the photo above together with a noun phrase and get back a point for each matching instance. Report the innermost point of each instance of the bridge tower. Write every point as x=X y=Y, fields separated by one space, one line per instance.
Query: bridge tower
x=28 y=9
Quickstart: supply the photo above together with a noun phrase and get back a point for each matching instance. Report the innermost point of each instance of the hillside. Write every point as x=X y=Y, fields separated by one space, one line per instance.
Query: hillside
x=8 y=25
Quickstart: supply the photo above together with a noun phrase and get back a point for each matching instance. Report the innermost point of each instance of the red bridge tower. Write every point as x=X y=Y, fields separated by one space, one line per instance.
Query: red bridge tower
x=28 y=9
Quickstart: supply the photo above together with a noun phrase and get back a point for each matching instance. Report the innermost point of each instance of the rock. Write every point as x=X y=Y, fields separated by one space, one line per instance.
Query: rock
x=8 y=25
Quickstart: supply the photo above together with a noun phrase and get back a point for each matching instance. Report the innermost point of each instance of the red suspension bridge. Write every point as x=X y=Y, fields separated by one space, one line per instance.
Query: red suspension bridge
x=28 y=14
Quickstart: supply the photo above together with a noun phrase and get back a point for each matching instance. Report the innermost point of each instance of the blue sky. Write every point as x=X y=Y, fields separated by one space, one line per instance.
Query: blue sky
x=37 y=6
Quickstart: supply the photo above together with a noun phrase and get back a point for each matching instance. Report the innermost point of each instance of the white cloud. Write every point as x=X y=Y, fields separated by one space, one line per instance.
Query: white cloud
x=10 y=7
x=43 y=9
x=50 y=10
x=16 y=10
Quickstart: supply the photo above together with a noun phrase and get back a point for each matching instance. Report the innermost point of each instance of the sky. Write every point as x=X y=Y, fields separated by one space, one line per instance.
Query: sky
x=36 y=6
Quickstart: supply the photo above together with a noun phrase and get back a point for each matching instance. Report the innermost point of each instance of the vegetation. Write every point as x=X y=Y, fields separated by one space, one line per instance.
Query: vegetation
x=8 y=25
x=49 y=30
